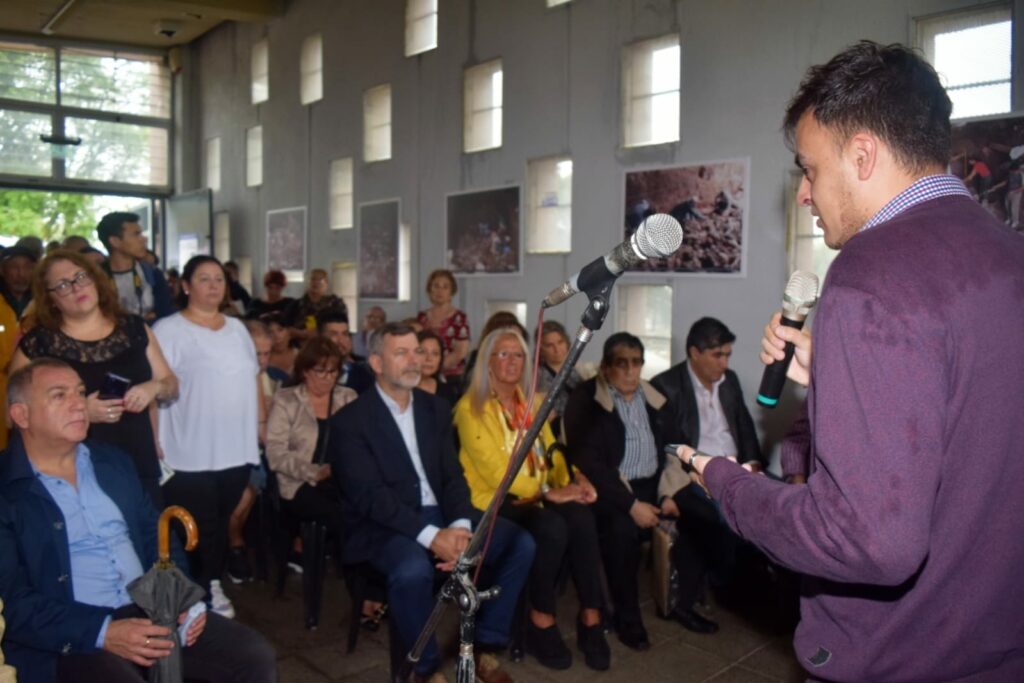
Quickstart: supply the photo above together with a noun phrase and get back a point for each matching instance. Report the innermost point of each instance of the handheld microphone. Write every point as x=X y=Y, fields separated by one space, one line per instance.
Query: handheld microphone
x=658 y=235
x=799 y=298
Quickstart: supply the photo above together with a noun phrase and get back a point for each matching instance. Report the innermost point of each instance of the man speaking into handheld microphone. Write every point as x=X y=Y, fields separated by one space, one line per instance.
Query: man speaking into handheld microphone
x=908 y=530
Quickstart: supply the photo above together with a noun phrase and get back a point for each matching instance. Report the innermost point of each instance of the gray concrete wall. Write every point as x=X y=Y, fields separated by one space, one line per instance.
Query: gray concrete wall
x=741 y=61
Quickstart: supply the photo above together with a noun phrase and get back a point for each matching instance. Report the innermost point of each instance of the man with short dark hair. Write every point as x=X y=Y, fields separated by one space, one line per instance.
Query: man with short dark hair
x=141 y=287
x=76 y=528
x=706 y=407
x=613 y=432
x=907 y=531
x=407 y=504
x=354 y=372
x=238 y=294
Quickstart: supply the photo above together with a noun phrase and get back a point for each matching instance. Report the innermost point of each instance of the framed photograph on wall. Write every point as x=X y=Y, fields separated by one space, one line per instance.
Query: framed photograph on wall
x=286 y=241
x=710 y=201
x=988 y=155
x=379 y=247
x=482 y=234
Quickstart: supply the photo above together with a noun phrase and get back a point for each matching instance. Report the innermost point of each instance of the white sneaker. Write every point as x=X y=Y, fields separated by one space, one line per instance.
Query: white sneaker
x=219 y=602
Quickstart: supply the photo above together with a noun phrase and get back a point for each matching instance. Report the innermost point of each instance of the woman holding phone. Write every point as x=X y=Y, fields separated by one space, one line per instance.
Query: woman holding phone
x=78 y=320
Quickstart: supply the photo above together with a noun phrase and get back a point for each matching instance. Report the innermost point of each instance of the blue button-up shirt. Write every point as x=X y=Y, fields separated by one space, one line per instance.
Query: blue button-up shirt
x=103 y=560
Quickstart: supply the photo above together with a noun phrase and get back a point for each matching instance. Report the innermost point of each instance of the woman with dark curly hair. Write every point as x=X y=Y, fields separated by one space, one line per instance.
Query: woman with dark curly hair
x=432 y=380
x=78 y=320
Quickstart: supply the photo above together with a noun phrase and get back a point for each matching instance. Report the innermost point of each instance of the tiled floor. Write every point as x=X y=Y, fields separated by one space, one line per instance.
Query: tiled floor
x=742 y=651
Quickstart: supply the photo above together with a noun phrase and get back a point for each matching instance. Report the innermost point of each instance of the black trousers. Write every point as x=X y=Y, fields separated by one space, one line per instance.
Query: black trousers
x=557 y=530
x=321 y=502
x=211 y=497
x=620 y=550
x=226 y=652
x=704 y=543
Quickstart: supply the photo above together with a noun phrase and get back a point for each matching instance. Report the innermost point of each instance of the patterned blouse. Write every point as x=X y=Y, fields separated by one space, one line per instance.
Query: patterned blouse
x=452 y=329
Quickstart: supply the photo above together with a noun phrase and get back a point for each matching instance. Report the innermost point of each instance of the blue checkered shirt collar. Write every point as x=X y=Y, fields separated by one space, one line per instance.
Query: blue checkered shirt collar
x=923 y=189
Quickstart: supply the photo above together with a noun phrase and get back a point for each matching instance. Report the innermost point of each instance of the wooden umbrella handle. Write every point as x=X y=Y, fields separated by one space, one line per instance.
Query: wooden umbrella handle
x=163 y=529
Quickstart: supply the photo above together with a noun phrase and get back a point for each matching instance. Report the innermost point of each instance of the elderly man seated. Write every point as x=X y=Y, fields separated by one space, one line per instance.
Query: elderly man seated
x=75 y=529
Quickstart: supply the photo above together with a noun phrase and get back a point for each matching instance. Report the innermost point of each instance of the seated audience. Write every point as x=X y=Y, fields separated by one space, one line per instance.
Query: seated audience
x=496 y=321
x=554 y=348
x=407 y=506
x=546 y=499
x=450 y=324
x=282 y=352
x=274 y=283
x=141 y=287
x=297 y=435
x=237 y=294
x=316 y=301
x=354 y=372
x=78 y=320
x=613 y=431
x=69 y=614
x=209 y=435
x=374 y=318
x=706 y=407
x=432 y=380
x=16 y=265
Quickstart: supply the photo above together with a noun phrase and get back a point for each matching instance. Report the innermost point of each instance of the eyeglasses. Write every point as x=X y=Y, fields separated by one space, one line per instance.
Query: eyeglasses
x=64 y=287
x=505 y=355
x=324 y=373
x=627 y=363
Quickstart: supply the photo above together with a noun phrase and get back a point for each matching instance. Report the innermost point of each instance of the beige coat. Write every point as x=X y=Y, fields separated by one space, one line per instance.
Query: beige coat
x=6 y=672
x=291 y=436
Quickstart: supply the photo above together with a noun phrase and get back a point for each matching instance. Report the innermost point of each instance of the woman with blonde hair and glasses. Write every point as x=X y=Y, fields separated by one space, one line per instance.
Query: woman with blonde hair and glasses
x=546 y=497
x=78 y=320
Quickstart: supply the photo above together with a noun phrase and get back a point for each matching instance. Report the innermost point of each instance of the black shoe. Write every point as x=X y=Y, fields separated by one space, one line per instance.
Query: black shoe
x=238 y=566
x=592 y=643
x=633 y=635
x=547 y=646
x=692 y=621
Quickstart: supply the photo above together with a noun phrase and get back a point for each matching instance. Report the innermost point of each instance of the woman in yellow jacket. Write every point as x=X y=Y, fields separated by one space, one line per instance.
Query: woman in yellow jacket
x=546 y=499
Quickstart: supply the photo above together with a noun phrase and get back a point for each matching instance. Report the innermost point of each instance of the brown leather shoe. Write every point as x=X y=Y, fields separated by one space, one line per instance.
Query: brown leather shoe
x=488 y=669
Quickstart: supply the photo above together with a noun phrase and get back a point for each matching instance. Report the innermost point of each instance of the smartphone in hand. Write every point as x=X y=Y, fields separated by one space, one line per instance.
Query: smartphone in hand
x=114 y=386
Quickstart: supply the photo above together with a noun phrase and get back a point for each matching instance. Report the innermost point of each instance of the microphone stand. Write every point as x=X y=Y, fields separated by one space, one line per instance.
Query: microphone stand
x=459 y=587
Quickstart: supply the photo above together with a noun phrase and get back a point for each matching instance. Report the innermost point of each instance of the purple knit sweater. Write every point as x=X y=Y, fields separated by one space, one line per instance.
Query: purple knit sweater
x=910 y=530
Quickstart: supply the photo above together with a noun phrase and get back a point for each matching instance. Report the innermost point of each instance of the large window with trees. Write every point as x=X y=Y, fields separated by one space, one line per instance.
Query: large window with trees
x=79 y=117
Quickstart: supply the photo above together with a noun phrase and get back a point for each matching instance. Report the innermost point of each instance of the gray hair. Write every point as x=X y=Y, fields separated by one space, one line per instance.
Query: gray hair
x=19 y=384
x=375 y=343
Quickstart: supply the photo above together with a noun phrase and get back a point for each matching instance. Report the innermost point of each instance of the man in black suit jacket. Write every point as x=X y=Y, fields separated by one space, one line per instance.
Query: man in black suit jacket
x=705 y=406
x=404 y=494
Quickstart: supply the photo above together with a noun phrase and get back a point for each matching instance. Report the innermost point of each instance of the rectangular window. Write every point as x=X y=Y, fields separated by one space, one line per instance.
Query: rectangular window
x=555 y=3
x=404 y=261
x=345 y=284
x=311 y=70
x=805 y=240
x=21 y=150
x=482 y=107
x=106 y=114
x=341 y=194
x=650 y=92
x=377 y=123
x=213 y=164
x=109 y=81
x=549 y=197
x=254 y=156
x=28 y=73
x=971 y=51
x=420 y=26
x=117 y=152
x=646 y=311
x=260 y=71
x=222 y=236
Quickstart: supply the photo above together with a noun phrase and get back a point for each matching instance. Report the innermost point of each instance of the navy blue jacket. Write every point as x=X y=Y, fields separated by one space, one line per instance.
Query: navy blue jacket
x=373 y=468
x=43 y=619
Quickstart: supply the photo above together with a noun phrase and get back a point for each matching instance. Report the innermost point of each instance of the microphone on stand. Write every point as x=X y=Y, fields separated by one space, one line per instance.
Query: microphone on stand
x=658 y=235
x=799 y=298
